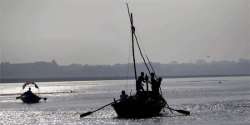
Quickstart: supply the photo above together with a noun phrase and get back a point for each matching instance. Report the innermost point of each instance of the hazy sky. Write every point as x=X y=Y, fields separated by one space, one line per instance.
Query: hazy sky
x=97 y=31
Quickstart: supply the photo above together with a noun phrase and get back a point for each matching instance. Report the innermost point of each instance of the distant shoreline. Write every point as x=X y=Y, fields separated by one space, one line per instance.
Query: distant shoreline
x=105 y=78
x=51 y=71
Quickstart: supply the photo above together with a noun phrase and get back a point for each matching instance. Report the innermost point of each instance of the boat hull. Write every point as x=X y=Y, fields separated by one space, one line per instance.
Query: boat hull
x=143 y=105
x=31 y=99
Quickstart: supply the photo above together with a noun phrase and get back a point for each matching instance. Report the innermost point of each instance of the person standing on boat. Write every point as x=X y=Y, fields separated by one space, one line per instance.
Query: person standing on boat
x=146 y=81
x=139 y=83
x=158 y=85
x=154 y=83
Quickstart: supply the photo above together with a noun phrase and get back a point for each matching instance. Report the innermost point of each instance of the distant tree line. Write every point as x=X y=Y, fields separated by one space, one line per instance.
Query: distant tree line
x=51 y=71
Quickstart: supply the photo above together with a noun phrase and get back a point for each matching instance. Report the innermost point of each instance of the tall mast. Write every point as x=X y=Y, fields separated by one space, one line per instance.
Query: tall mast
x=132 y=39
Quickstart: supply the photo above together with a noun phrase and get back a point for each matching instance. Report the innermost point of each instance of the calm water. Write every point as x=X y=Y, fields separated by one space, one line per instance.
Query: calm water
x=210 y=102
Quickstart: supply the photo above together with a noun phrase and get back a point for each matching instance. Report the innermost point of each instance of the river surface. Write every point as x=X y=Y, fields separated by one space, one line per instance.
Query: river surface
x=211 y=101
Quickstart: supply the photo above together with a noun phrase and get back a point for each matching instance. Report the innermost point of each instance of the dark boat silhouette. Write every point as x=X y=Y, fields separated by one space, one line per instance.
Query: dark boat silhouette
x=144 y=103
x=28 y=96
x=31 y=98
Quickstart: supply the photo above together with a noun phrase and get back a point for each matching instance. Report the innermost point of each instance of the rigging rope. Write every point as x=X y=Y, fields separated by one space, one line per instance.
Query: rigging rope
x=141 y=53
x=149 y=62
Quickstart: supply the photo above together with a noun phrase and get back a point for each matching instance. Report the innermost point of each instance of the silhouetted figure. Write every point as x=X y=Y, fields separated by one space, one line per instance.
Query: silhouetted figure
x=123 y=95
x=27 y=93
x=158 y=85
x=154 y=84
x=146 y=81
x=139 y=84
x=152 y=78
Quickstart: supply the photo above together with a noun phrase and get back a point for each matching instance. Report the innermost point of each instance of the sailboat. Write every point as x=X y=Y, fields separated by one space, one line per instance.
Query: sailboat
x=144 y=103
